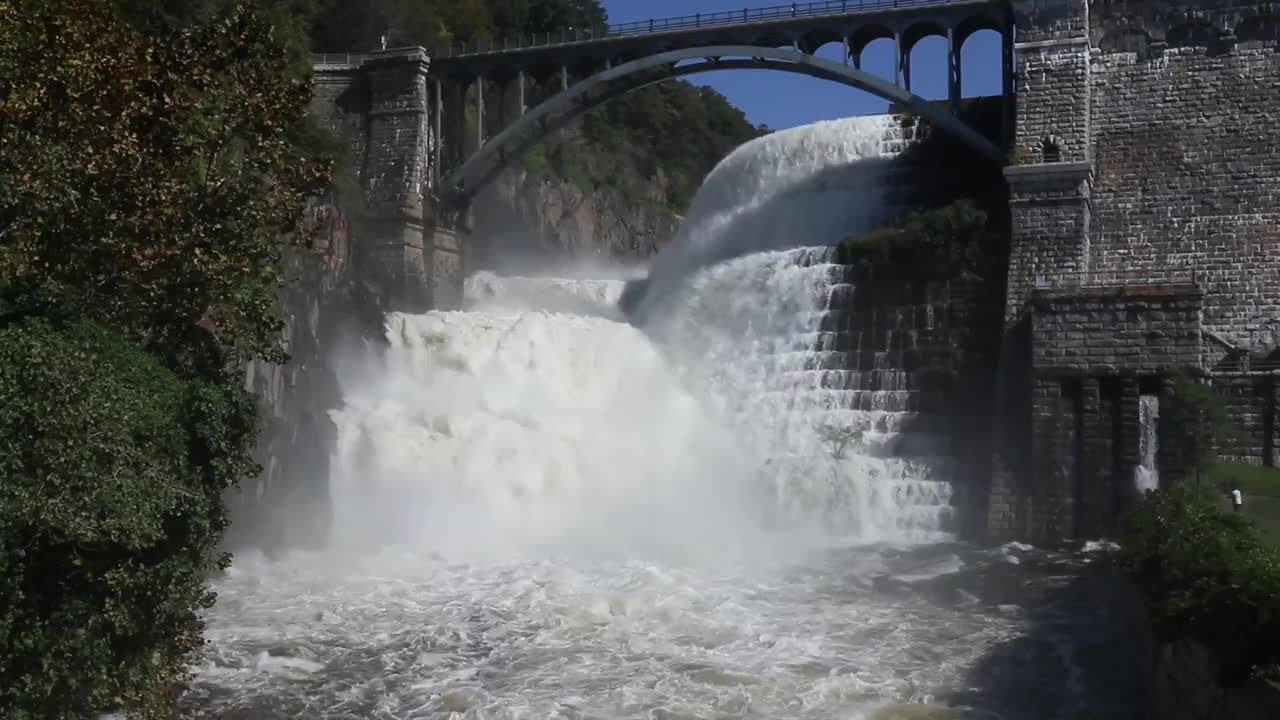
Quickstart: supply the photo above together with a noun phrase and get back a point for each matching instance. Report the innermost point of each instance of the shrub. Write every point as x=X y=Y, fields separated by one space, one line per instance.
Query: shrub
x=110 y=510
x=949 y=241
x=1209 y=575
x=1198 y=424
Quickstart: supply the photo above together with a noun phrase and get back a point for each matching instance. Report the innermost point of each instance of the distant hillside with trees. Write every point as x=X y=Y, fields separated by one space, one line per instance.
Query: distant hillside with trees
x=670 y=135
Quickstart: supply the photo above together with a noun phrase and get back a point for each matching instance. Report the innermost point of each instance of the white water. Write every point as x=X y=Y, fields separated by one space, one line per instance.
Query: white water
x=811 y=185
x=1146 y=475
x=556 y=515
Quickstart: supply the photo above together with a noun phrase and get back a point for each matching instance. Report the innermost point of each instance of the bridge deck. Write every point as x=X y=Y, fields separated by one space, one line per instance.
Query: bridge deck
x=568 y=38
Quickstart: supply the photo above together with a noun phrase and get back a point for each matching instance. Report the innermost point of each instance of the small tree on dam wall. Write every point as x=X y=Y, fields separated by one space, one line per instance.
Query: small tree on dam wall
x=146 y=183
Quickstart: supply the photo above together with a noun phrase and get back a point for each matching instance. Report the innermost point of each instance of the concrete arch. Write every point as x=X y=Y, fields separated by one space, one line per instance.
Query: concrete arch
x=463 y=184
x=974 y=24
x=860 y=38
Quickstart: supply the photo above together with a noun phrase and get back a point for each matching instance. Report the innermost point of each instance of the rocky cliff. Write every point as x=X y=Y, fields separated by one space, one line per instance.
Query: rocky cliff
x=527 y=221
x=324 y=307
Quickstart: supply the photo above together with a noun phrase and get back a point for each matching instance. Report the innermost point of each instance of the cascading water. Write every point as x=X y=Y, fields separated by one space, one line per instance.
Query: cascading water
x=542 y=511
x=1146 y=476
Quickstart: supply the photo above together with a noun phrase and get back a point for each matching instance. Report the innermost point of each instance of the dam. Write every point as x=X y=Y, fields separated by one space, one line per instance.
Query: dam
x=541 y=509
x=748 y=492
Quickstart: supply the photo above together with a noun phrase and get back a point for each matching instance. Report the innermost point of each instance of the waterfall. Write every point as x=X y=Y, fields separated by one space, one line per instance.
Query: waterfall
x=1146 y=476
x=545 y=509
x=536 y=421
x=806 y=186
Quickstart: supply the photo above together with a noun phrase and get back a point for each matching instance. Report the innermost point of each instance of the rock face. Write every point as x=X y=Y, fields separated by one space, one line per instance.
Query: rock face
x=526 y=222
x=324 y=307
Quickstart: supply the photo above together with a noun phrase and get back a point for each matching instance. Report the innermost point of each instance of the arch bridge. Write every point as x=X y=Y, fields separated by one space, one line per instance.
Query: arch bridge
x=489 y=102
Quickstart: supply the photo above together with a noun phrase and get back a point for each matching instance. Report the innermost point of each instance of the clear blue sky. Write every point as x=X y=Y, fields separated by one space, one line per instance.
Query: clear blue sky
x=782 y=100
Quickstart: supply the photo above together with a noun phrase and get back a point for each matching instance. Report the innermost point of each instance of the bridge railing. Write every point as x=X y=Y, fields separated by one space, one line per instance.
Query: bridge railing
x=352 y=59
x=567 y=36
x=1245 y=366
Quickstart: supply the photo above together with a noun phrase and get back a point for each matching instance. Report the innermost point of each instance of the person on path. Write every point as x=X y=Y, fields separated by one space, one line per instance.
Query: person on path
x=1236 y=499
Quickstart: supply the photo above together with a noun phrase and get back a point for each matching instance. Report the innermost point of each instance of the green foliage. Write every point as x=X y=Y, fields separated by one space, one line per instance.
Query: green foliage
x=1197 y=424
x=670 y=134
x=950 y=241
x=1261 y=489
x=1251 y=479
x=356 y=25
x=161 y=187
x=652 y=145
x=110 y=506
x=1208 y=575
x=153 y=157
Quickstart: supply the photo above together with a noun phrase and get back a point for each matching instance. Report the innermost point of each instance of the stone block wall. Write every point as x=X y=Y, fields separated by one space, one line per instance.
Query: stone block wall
x=1251 y=402
x=1091 y=350
x=1049 y=213
x=1052 y=82
x=339 y=102
x=1185 y=132
x=1146 y=239
x=1151 y=330
x=409 y=252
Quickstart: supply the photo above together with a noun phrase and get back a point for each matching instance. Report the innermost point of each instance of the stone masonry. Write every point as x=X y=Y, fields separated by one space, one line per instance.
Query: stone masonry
x=1185 y=132
x=1145 y=205
x=410 y=255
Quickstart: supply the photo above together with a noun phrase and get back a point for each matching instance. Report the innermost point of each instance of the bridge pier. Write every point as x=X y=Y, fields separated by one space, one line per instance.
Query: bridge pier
x=479 y=113
x=398 y=121
x=902 y=68
x=395 y=174
x=953 y=70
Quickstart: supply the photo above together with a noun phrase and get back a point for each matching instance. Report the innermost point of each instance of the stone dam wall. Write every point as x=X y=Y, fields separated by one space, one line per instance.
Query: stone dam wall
x=1145 y=203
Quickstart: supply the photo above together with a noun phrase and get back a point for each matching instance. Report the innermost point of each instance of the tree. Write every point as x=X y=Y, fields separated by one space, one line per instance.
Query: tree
x=1198 y=424
x=111 y=486
x=155 y=197
x=150 y=170
x=953 y=240
x=839 y=438
x=1208 y=575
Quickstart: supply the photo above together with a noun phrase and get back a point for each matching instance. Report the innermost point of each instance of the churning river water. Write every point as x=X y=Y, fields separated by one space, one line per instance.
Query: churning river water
x=544 y=511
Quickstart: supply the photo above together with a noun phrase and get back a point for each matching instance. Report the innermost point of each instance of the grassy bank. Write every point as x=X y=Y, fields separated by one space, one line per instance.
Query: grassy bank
x=1260 y=487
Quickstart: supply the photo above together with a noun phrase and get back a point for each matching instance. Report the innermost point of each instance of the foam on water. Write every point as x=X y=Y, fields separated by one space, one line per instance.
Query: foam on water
x=501 y=433
x=487 y=291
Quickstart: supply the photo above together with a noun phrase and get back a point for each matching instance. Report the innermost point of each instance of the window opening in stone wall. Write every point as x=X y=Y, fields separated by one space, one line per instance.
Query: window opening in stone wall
x=1149 y=385
x=1050 y=151
x=1111 y=405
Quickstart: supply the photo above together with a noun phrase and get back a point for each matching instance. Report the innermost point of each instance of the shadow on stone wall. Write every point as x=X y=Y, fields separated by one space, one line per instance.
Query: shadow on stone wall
x=325 y=307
